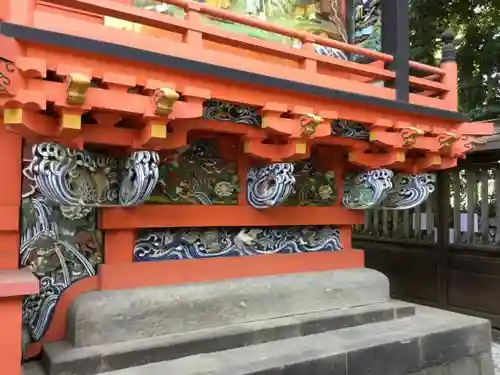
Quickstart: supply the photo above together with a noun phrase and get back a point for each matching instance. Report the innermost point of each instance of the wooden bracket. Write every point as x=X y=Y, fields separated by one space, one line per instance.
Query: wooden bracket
x=377 y=160
x=475 y=128
x=382 y=137
x=70 y=121
x=107 y=119
x=192 y=104
x=431 y=161
x=464 y=144
x=273 y=122
x=119 y=82
x=295 y=149
x=348 y=143
x=154 y=136
x=29 y=124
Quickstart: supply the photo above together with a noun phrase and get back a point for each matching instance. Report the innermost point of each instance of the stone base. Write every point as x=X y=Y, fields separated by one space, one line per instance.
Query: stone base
x=335 y=323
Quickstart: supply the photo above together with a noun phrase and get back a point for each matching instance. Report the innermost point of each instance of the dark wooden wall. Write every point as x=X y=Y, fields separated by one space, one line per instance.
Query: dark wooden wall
x=450 y=258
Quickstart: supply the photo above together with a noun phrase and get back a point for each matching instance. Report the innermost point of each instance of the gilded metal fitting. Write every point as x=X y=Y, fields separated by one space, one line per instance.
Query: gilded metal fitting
x=409 y=135
x=164 y=100
x=310 y=123
x=446 y=139
x=78 y=84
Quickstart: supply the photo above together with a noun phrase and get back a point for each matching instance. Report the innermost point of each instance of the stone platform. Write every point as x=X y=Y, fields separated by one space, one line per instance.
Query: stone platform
x=335 y=323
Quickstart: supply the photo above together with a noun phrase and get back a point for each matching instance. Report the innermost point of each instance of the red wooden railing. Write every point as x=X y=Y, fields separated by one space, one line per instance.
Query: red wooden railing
x=437 y=89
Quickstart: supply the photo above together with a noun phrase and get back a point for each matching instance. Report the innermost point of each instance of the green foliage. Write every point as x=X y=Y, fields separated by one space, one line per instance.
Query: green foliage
x=477 y=26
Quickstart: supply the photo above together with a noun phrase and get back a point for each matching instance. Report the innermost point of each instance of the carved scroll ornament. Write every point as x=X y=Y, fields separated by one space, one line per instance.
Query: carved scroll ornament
x=366 y=190
x=270 y=185
x=141 y=176
x=74 y=178
x=410 y=190
x=380 y=189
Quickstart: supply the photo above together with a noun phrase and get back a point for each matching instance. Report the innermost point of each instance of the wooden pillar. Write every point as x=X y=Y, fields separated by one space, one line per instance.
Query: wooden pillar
x=396 y=42
x=350 y=23
x=350 y=20
x=443 y=214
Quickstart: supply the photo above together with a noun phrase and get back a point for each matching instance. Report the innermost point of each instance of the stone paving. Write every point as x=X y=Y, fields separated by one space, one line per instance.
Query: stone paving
x=495 y=351
x=496 y=357
x=35 y=368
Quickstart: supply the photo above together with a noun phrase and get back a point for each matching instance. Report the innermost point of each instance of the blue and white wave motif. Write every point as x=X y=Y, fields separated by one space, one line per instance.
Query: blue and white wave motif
x=181 y=243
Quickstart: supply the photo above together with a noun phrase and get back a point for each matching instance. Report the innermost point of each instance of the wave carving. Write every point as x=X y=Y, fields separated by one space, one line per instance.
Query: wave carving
x=60 y=246
x=410 y=190
x=78 y=178
x=177 y=244
x=270 y=185
x=367 y=190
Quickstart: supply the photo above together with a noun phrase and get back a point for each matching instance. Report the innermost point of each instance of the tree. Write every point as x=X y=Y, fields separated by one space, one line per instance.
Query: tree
x=477 y=26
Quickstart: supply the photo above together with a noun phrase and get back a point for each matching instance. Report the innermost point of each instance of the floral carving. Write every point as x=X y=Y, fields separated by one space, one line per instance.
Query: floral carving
x=312 y=188
x=197 y=175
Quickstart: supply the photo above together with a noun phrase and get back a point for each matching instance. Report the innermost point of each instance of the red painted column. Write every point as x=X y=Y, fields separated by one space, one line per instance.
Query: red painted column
x=14 y=283
x=10 y=198
x=118 y=246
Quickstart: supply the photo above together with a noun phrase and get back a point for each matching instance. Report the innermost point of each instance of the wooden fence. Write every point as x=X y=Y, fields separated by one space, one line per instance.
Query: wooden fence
x=446 y=252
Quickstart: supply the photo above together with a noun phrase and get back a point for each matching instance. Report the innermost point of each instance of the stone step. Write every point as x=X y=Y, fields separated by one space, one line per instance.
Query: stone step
x=104 y=317
x=61 y=358
x=33 y=368
x=430 y=342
